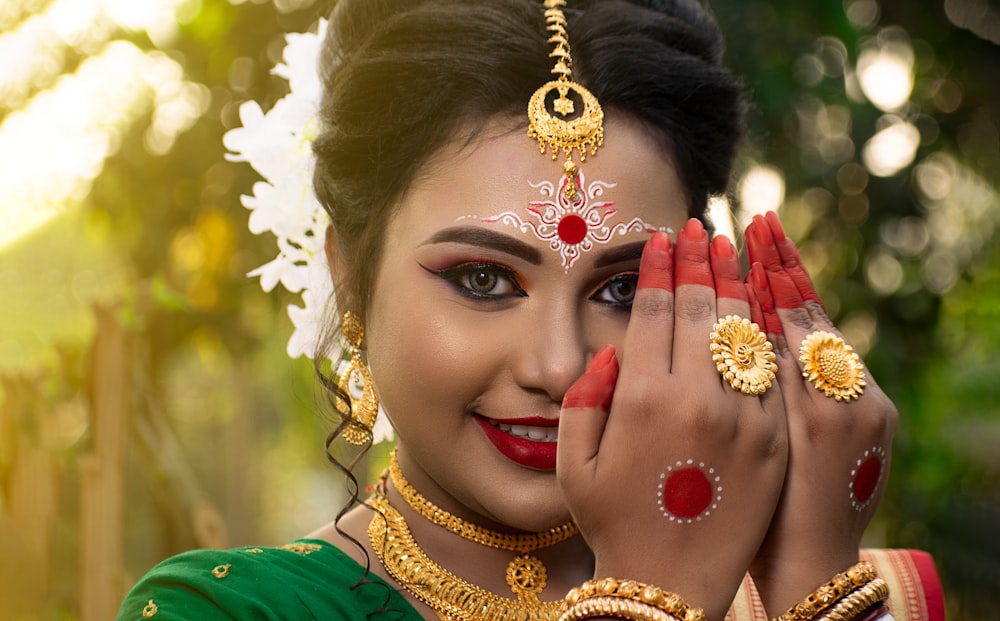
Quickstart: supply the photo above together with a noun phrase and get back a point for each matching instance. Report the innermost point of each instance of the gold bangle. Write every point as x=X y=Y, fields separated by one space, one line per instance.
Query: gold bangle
x=670 y=603
x=858 y=601
x=615 y=607
x=828 y=594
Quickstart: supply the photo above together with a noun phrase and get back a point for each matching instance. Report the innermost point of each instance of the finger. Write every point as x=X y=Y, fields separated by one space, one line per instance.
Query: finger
x=771 y=400
x=584 y=413
x=730 y=292
x=792 y=261
x=650 y=328
x=758 y=280
x=763 y=313
x=695 y=307
x=760 y=244
x=756 y=314
x=791 y=309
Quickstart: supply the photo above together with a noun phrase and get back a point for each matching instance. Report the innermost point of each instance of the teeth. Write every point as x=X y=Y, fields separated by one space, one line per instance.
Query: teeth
x=538 y=434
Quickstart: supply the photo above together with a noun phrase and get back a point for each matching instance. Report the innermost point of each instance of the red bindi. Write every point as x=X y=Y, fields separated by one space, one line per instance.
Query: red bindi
x=572 y=229
x=686 y=494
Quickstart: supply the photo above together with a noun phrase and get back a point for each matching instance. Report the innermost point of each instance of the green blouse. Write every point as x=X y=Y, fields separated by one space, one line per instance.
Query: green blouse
x=306 y=579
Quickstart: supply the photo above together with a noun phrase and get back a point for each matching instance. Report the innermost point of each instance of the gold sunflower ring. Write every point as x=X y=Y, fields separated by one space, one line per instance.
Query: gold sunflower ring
x=832 y=366
x=743 y=355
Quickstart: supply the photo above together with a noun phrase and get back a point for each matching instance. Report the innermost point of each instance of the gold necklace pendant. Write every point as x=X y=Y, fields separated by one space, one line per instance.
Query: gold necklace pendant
x=451 y=597
x=526 y=575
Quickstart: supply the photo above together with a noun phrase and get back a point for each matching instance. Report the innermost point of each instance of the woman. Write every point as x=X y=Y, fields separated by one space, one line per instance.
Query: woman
x=564 y=353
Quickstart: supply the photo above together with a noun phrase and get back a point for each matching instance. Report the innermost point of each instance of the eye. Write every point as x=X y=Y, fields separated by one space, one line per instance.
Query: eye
x=618 y=291
x=481 y=281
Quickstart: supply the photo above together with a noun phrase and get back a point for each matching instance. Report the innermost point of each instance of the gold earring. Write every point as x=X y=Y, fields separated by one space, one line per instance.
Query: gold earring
x=358 y=383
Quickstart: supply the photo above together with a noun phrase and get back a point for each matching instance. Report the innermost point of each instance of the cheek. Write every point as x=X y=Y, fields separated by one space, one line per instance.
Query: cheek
x=604 y=327
x=423 y=357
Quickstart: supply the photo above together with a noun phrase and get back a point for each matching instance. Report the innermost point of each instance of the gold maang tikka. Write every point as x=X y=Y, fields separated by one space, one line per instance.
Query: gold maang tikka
x=553 y=119
x=358 y=383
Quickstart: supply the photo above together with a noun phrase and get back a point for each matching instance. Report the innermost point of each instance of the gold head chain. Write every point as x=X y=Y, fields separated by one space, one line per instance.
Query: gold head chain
x=553 y=119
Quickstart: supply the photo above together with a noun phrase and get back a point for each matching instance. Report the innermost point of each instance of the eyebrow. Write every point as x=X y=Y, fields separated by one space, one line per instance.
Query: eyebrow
x=475 y=236
x=620 y=254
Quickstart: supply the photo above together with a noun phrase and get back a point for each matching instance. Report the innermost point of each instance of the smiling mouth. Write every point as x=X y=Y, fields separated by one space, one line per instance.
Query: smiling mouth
x=532 y=446
x=528 y=432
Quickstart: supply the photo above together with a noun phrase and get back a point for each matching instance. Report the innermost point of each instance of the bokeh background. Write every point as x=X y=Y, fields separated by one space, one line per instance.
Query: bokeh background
x=147 y=405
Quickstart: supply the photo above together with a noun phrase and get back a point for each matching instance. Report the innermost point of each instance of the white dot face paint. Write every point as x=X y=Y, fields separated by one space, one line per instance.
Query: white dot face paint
x=571 y=226
x=866 y=477
x=688 y=491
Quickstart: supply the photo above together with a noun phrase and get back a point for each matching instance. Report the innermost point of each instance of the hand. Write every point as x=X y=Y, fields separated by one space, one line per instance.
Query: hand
x=668 y=418
x=838 y=450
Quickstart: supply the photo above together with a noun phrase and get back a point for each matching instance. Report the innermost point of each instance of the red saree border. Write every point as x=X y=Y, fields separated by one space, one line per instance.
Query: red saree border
x=915 y=592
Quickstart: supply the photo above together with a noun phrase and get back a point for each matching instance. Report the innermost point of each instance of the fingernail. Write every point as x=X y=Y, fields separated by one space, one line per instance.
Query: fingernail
x=659 y=241
x=722 y=248
x=656 y=270
x=601 y=359
x=694 y=229
x=761 y=232
x=596 y=387
x=777 y=231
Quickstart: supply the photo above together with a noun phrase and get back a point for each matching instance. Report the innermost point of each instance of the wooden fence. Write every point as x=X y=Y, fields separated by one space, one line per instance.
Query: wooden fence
x=63 y=509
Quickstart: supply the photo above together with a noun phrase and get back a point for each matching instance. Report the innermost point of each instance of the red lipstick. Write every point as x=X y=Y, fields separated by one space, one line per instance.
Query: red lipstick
x=523 y=451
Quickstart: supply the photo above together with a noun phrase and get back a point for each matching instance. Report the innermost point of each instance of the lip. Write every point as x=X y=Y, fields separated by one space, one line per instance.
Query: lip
x=530 y=421
x=522 y=451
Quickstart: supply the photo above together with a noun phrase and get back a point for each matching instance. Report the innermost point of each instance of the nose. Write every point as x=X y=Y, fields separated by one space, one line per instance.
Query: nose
x=550 y=354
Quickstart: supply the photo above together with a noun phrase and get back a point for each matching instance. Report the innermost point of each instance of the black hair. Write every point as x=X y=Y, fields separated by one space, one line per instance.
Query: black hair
x=402 y=77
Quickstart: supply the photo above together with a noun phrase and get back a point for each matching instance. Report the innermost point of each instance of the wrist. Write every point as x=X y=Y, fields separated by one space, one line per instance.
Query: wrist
x=848 y=596
x=781 y=582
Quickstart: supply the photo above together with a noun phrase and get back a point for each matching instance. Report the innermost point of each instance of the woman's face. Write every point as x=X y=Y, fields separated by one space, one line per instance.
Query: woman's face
x=491 y=297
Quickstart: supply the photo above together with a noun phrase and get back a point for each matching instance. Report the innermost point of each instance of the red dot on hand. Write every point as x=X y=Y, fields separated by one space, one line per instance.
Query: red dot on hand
x=572 y=229
x=687 y=493
x=867 y=478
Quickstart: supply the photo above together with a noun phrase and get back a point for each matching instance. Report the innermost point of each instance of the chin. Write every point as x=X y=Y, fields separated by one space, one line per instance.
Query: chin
x=534 y=512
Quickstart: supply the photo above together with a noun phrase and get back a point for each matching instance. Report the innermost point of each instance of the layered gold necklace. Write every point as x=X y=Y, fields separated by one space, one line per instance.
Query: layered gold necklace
x=450 y=596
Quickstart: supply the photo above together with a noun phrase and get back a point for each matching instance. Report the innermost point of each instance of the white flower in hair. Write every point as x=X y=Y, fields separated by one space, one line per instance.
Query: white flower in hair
x=278 y=145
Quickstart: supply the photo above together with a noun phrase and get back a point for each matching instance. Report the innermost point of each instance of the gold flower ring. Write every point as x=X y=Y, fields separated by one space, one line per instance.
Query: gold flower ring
x=832 y=366
x=743 y=355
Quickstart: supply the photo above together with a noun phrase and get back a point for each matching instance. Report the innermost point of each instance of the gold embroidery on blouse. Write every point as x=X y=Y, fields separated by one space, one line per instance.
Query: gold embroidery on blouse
x=149 y=610
x=302 y=548
x=221 y=571
x=254 y=550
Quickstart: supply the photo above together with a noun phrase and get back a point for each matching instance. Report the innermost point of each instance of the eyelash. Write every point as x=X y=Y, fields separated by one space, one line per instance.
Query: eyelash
x=629 y=278
x=459 y=278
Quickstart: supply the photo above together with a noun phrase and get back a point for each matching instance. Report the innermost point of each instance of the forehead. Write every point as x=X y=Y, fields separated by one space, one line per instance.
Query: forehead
x=501 y=171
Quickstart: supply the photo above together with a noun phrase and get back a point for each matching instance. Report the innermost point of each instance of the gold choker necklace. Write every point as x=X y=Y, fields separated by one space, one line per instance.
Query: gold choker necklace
x=451 y=597
x=526 y=575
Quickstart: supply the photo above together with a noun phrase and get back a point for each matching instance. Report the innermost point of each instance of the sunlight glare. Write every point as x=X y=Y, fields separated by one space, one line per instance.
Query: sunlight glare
x=761 y=190
x=720 y=214
x=886 y=74
x=55 y=146
x=892 y=149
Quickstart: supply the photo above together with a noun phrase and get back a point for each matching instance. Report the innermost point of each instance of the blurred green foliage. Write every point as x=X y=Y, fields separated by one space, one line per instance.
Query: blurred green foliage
x=163 y=238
